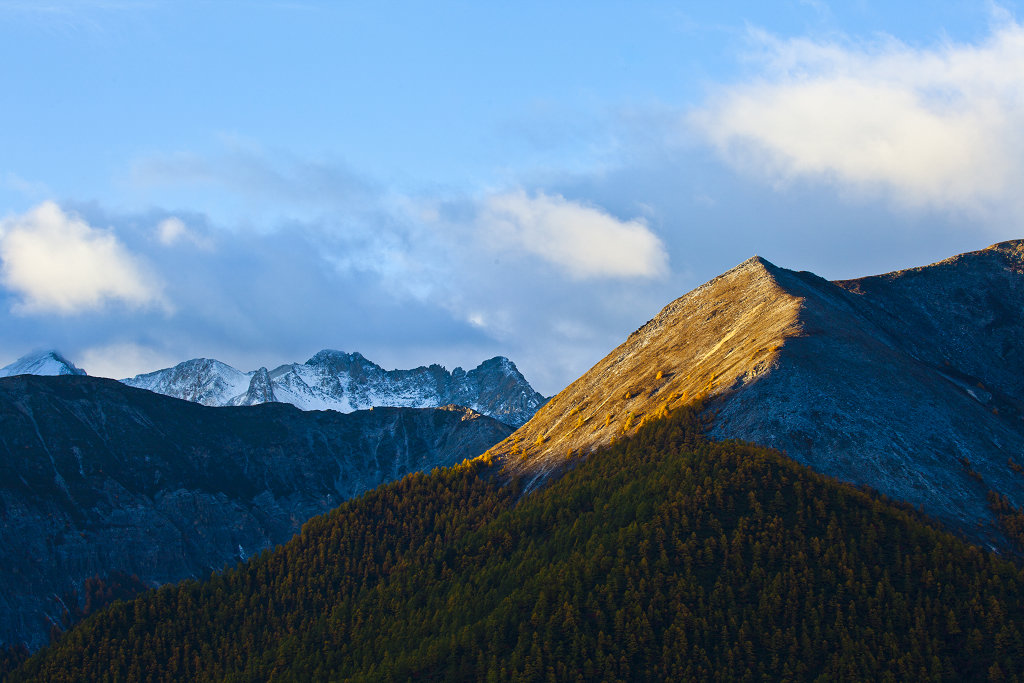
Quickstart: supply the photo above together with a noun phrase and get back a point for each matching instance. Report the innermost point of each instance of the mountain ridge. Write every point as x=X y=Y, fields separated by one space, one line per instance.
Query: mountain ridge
x=336 y=380
x=329 y=380
x=614 y=396
x=877 y=381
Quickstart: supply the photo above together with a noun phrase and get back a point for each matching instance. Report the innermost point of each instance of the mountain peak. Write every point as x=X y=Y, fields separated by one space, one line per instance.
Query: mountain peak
x=337 y=380
x=261 y=390
x=500 y=364
x=725 y=333
x=201 y=380
x=328 y=355
x=47 y=362
x=894 y=381
x=753 y=265
x=756 y=261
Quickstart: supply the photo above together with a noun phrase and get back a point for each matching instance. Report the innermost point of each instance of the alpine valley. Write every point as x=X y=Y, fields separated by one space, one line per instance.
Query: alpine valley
x=776 y=478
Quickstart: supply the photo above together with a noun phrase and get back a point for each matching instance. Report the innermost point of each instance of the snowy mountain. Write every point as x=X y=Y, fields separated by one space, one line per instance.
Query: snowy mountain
x=41 y=363
x=200 y=380
x=345 y=382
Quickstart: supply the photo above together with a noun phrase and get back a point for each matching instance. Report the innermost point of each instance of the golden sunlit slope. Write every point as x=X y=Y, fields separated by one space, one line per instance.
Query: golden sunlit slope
x=720 y=334
x=908 y=382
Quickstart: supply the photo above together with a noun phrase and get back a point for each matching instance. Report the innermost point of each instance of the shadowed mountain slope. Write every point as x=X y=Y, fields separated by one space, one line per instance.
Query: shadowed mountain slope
x=909 y=382
x=664 y=557
x=98 y=479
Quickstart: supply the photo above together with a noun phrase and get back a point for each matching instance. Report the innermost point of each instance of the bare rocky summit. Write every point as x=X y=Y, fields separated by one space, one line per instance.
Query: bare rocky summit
x=911 y=382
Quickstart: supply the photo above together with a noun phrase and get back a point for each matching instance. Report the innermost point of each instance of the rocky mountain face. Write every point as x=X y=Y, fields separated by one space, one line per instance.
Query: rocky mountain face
x=334 y=380
x=911 y=383
x=101 y=479
x=41 y=363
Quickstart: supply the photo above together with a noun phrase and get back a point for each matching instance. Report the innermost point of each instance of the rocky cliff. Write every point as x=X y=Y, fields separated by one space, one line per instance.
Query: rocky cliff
x=101 y=479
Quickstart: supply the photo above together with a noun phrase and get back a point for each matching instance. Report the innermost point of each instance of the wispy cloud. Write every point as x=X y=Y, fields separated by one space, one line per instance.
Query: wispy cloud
x=58 y=263
x=941 y=127
x=71 y=16
x=257 y=176
x=171 y=231
x=25 y=188
x=120 y=360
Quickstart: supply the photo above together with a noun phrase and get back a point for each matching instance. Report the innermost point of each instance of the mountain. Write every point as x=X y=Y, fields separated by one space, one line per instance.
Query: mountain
x=98 y=479
x=334 y=380
x=911 y=383
x=200 y=380
x=41 y=363
x=664 y=557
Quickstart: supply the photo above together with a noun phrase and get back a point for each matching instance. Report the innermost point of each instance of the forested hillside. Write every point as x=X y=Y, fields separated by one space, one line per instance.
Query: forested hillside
x=662 y=557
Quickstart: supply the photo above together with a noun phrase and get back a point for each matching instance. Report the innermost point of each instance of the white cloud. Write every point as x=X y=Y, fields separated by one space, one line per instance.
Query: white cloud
x=584 y=240
x=59 y=263
x=938 y=128
x=118 y=361
x=170 y=230
x=173 y=230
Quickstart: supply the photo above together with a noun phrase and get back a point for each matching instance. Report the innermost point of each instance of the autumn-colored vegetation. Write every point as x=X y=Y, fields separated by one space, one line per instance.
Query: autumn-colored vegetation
x=1009 y=518
x=663 y=557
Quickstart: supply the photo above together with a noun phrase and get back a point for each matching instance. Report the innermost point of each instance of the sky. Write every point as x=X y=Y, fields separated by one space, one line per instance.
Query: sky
x=449 y=181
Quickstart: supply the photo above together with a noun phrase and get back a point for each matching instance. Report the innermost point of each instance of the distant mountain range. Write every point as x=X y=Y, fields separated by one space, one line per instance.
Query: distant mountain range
x=98 y=479
x=911 y=383
x=330 y=380
x=335 y=380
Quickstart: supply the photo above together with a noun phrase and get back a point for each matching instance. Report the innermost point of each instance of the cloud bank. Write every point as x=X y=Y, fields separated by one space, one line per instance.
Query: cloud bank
x=58 y=263
x=928 y=128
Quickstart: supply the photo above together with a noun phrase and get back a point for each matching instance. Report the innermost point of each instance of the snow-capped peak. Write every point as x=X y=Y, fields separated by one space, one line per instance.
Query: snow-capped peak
x=49 y=362
x=336 y=380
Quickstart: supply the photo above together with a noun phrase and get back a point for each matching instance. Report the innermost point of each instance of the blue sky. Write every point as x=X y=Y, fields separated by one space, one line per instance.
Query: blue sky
x=444 y=182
